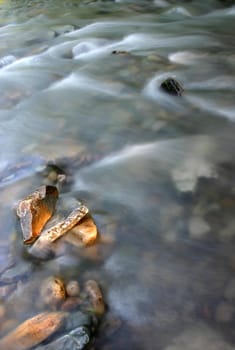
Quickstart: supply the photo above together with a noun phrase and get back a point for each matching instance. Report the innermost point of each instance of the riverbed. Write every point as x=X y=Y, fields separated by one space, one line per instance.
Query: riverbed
x=82 y=80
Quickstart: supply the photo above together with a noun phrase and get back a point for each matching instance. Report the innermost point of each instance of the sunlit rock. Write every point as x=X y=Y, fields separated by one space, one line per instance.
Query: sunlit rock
x=33 y=331
x=35 y=210
x=84 y=233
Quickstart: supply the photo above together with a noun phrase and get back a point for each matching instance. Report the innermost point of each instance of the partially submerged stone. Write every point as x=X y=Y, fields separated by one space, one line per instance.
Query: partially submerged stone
x=43 y=246
x=84 y=233
x=33 y=331
x=77 y=339
x=95 y=295
x=72 y=288
x=76 y=333
x=35 y=210
x=172 y=87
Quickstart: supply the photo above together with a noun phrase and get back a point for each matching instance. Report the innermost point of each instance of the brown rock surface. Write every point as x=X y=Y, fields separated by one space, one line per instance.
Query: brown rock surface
x=33 y=331
x=35 y=210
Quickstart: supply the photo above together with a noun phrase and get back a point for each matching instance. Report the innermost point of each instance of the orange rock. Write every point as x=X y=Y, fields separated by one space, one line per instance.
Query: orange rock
x=84 y=233
x=35 y=210
x=33 y=331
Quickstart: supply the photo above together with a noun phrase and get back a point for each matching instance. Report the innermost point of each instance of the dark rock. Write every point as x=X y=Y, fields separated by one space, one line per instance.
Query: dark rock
x=172 y=87
x=74 y=340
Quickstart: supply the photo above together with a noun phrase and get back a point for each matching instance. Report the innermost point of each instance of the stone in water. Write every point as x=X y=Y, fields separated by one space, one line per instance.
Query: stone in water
x=172 y=87
x=35 y=210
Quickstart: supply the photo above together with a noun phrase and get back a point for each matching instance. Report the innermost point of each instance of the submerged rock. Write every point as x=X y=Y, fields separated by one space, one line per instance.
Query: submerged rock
x=76 y=334
x=74 y=340
x=95 y=296
x=33 y=331
x=35 y=210
x=53 y=291
x=172 y=87
x=84 y=233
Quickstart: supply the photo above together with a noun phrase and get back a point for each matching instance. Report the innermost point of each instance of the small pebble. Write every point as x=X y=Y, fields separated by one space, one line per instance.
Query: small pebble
x=72 y=289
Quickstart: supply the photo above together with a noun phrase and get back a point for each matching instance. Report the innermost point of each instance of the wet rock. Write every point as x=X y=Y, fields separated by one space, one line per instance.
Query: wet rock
x=73 y=289
x=59 y=30
x=35 y=210
x=95 y=296
x=187 y=173
x=120 y=52
x=42 y=248
x=172 y=87
x=53 y=291
x=33 y=331
x=77 y=339
x=224 y=312
x=71 y=303
x=198 y=227
x=77 y=319
x=84 y=233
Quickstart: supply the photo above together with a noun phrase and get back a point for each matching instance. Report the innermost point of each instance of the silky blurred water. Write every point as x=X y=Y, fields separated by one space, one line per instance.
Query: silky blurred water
x=85 y=76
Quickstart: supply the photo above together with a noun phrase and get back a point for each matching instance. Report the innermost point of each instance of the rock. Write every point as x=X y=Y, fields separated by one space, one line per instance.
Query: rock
x=84 y=233
x=77 y=319
x=72 y=289
x=33 y=331
x=120 y=52
x=77 y=339
x=53 y=291
x=42 y=248
x=186 y=174
x=172 y=87
x=71 y=303
x=35 y=210
x=198 y=227
x=95 y=296
x=224 y=312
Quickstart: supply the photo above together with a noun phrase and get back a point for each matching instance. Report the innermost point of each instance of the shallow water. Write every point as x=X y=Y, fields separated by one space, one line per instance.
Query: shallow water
x=84 y=77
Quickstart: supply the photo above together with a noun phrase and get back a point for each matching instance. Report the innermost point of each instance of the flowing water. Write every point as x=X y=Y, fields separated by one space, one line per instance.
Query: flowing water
x=84 y=77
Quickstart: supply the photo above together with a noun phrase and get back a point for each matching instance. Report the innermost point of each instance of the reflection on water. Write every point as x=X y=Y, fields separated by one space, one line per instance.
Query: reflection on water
x=80 y=86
